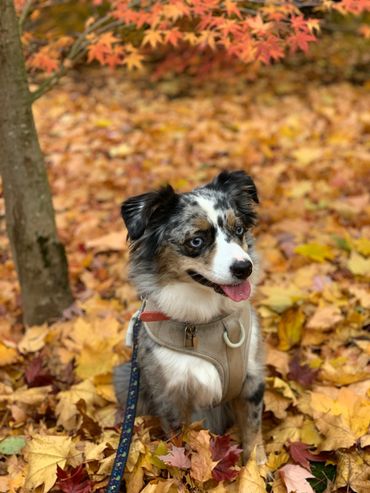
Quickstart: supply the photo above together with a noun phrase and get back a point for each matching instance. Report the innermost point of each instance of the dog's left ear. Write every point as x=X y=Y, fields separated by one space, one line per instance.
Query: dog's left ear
x=241 y=190
x=236 y=183
x=152 y=207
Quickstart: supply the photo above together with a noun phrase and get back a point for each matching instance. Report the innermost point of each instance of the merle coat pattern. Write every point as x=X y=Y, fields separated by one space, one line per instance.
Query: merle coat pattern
x=187 y=251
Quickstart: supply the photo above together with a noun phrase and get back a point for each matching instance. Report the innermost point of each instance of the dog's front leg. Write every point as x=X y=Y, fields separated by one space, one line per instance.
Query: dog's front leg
x=248 y=414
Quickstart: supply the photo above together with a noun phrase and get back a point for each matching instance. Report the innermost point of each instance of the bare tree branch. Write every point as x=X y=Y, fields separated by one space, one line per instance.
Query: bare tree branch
x=24 y=14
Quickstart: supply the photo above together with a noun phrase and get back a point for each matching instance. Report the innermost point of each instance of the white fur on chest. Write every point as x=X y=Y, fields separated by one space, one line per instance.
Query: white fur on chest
x=190 y=376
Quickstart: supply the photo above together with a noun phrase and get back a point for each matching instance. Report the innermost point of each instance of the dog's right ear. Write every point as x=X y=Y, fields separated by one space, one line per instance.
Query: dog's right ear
x=138 y=211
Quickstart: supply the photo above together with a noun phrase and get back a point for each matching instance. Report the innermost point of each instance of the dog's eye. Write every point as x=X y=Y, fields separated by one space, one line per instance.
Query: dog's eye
x=239 y=231
x=196 y=242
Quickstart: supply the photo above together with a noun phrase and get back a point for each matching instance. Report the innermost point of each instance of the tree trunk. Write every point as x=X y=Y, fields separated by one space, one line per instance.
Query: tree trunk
x=38 y=254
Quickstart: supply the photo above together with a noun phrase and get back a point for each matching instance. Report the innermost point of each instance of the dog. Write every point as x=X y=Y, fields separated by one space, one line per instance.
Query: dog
x=192 y=257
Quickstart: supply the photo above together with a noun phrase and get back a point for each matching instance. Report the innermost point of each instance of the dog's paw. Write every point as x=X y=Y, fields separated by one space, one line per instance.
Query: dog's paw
x=261 y=458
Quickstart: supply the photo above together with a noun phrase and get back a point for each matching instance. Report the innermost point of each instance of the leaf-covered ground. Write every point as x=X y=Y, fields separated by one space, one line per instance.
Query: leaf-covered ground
x=302 y=132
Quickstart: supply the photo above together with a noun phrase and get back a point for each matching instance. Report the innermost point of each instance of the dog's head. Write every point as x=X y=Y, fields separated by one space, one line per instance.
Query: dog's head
x=196 y=245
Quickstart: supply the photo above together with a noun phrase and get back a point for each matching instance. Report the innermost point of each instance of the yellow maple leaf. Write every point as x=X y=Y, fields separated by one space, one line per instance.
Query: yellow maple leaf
x=152 y=37
x=66 y=408
x=8 y=355
x=280 y=298
x=309 y=433
x=342 y=417
x=290 y=328
x=315 y=251
x=191 y=38
x=353 y=471
x=208 y=38
x=250 y=478
x=43 y=454
x=281 y=386
x=307 y=155
x=362 y=245
x=276 y=403
x=134 y=60
x=358 y=265
x=96 y=359
x=289 y=429
x=277 y=459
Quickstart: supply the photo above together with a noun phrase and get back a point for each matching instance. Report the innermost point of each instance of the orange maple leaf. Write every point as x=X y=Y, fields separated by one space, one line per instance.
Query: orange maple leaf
x=232 y=8
x=152 y=37
x=44 y=60
x=173 y=36
x=208 y=38
x=133 y=60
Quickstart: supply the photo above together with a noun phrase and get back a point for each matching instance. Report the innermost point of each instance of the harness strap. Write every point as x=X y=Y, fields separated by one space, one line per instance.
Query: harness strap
x=123 y=449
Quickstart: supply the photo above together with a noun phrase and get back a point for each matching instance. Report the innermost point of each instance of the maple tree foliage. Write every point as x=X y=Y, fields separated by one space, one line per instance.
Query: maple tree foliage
x=126 y=33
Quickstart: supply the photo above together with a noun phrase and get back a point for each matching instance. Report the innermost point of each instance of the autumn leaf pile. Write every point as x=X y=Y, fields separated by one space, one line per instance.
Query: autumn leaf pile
x=109 y=136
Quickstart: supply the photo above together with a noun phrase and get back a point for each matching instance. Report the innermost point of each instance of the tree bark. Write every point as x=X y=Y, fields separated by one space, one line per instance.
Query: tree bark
x=38 y=254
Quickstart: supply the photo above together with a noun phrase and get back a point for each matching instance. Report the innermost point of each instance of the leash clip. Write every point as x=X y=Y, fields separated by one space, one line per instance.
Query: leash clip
x=190 y=339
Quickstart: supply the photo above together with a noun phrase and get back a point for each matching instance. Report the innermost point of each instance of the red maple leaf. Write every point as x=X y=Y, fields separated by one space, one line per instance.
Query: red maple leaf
x=302 y=374
x=301 y=455
x=73 y=480
x=36 y=375
x=300 y=41
x=268 y=50
x=298 y=23
x=228 y=455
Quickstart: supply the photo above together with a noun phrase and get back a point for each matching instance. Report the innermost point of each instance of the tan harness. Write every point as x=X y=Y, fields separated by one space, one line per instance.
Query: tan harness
x=223 y=342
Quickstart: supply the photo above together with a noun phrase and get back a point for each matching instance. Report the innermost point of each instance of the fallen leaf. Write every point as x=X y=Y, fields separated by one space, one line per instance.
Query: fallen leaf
x=358 y=265
x=73 y=480
x=34 y=339
x=202 y=463
x=250 y=479
x=295 y=479
x=315 y=251
x=302 y=374
x=110 y=242
x=44 y=454
x=176 y=457
x=8 y=355
x=325 y=317
x=227 y=455
x=280 y=298
x=12 y=445
x=290 y=328
x=301 y=455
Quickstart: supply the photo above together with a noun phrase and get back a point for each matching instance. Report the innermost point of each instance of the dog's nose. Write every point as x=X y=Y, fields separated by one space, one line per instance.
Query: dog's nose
x=241 y=269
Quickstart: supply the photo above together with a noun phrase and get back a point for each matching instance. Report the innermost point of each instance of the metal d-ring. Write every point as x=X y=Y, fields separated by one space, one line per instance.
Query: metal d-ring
x=234 y=345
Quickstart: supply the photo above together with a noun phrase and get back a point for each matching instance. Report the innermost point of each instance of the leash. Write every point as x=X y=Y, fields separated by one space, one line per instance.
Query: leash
x=123 y=449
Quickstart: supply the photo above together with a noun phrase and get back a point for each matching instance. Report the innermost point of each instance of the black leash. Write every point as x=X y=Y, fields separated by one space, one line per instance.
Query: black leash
x=123 y=449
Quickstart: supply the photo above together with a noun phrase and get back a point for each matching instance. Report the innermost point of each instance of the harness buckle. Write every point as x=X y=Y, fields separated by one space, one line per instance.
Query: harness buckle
x=190 y=336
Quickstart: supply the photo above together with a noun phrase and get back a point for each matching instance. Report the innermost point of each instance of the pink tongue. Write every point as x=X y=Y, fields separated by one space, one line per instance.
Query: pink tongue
x=239 y=292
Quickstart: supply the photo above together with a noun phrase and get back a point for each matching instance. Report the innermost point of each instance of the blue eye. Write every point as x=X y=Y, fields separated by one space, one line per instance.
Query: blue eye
x=239 y=231
x=196 y=242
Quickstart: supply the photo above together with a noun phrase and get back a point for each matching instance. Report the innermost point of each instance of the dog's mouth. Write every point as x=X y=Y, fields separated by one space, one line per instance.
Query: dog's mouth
x=236 y=292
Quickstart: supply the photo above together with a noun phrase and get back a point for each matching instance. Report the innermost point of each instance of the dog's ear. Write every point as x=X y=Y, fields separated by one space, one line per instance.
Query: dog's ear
x=138 y=211
x=236 y=183
x=241 y=190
